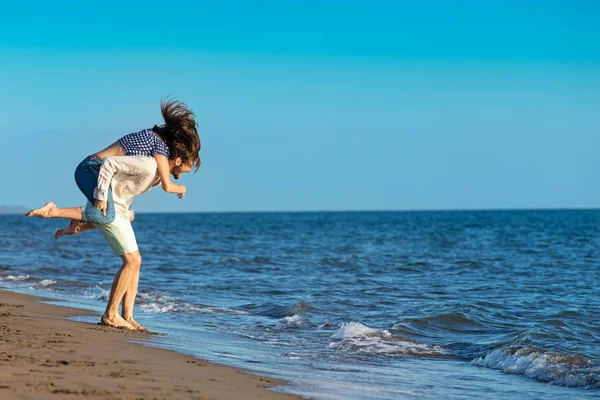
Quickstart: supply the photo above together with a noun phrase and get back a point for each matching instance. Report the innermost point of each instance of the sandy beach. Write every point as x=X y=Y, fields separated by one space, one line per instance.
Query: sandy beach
x=44 y=355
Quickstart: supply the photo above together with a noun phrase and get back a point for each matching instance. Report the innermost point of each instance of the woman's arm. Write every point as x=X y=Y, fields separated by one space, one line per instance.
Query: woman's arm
x=163 y=171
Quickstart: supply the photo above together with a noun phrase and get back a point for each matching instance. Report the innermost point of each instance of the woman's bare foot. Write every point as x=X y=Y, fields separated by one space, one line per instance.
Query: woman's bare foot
x=137 y=326
x=64 y=231
x=116 y=322
x=73 y=228
x=42 y=212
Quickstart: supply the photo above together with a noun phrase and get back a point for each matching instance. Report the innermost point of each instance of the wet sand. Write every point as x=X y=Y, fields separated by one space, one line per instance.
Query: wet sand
x=45 y=356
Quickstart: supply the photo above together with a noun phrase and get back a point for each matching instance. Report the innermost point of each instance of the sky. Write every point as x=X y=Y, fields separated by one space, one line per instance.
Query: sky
x=312 y=105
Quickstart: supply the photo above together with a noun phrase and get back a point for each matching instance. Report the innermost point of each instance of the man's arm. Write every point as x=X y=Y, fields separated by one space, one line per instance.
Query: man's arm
x=111 y=166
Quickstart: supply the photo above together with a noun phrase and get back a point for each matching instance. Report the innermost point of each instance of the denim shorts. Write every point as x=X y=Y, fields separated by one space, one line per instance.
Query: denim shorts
x=86 y=177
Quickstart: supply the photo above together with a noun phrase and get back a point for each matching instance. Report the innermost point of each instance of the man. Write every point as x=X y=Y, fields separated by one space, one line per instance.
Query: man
x=129 y=176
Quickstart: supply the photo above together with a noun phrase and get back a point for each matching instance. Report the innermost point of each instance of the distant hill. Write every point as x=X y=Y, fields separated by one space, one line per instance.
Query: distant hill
x=13 y=209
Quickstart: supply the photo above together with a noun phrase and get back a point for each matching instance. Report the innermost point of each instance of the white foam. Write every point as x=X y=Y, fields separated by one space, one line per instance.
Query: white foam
x=294 y=321
x=225 y=310
x=543 y=366
x=358 y=330
x=158 y=303
x=154 y=302
x=17 y=278
x=359 y=338
x=292 y=356
x=96 y=293
x=235 y=260
x=158 y=308
x=45 y=283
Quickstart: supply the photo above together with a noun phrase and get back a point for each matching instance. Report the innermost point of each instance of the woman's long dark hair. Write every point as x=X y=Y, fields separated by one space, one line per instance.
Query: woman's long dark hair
x=179 y=132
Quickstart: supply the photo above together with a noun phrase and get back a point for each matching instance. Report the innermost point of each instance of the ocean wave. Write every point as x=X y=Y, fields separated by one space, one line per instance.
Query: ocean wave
x=449 y=322
x=300 y=307
x=418 y=263
x=350 y=330
x=359 y=338
x=339 y=261
x=159 y=303
x=294 y=321
x=549 y=367
x=327 y=325
x=155 y=302
x=454 y=321
x=19 y=278
x=44 y=283
x=96 y=293
x=279 y=311
x=236 y=260
x=35 y=283
x=257 y=260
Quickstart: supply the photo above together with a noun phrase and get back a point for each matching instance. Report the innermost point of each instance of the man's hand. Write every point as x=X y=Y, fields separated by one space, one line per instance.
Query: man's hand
x=183 y=190
x=101 y=205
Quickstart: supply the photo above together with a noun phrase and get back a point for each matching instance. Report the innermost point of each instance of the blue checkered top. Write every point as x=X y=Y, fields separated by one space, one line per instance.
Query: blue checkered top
x=144 y=143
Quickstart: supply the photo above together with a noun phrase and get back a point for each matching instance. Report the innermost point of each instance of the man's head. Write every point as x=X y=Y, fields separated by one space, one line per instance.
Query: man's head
x=184 y=156
x=177 y=167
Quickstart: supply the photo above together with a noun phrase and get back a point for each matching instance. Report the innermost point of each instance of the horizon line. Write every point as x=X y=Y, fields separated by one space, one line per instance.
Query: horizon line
x=408 y=210
x=372 y=210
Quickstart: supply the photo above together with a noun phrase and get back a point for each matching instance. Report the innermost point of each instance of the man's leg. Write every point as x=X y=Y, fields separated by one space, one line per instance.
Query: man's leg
x=129 y=301
x=121 y=284
x=49 y=210
x=129 y=298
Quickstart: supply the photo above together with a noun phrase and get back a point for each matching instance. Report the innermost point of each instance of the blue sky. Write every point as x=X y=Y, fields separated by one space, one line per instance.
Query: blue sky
x=312 y=105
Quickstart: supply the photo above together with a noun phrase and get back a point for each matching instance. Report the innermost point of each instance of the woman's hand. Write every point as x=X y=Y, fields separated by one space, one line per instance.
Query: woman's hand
x=101 y=205
x=182 y=191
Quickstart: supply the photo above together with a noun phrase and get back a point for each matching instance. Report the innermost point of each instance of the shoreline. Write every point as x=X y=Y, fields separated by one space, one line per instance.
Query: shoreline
x=45 y=355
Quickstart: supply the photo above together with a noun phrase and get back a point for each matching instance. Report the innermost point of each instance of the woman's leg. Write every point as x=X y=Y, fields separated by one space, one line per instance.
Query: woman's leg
x=86 y=177
x=76 y=226
x=50 y=210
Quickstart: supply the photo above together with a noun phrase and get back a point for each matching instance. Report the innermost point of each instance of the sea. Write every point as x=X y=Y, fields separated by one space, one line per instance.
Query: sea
x=351 y=305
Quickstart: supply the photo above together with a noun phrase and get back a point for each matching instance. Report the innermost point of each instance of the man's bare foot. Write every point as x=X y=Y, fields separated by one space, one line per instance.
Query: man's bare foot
x=42 y=212
x=137 y=326
x=73 y=228
x=116 y=322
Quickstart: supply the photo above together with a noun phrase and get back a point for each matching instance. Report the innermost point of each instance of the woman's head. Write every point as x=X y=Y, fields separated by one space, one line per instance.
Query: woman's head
x=180 y=132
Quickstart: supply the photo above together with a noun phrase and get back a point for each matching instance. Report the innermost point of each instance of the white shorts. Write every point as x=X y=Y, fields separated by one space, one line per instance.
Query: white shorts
x=119 y=235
